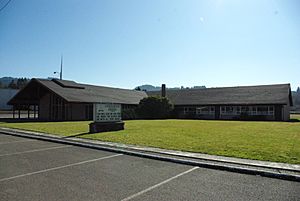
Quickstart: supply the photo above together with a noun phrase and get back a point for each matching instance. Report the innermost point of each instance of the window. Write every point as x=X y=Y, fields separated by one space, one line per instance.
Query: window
x=205 y=110
x=238 y=109
x=229 y=110
x=271 y=110
x=189 y=110
x=185 y=110
x=247 y=110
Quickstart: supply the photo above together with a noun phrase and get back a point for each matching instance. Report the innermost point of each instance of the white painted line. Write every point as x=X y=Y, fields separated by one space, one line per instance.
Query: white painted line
x=16 y=141
x=36 y=150
x=159 y=184
x=60 y=167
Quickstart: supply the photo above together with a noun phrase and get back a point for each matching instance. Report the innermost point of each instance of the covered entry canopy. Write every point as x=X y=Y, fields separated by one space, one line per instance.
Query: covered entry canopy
x=28 y=99
x=30 y=94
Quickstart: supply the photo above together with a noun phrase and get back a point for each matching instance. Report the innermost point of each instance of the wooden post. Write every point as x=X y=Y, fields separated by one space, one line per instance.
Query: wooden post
x=13 y=111
x=28 y=111
x=19 y=113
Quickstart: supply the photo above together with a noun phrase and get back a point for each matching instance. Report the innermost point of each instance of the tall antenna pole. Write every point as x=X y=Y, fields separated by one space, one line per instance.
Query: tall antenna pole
x=61 y=65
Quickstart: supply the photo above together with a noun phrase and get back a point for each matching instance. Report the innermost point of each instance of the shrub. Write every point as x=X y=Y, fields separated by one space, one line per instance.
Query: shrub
x=129 y=113
x=154 y=108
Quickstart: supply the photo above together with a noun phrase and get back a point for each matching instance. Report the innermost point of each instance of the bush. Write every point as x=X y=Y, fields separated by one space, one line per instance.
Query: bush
x=154 y=108
x=128 y=113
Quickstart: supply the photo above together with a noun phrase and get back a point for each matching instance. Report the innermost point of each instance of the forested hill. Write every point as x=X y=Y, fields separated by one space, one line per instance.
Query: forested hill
x=148 y=87
x=13 y=83
x=296 y=99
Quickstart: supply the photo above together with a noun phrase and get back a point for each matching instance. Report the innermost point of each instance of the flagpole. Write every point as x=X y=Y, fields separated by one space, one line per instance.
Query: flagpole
x=61 y=65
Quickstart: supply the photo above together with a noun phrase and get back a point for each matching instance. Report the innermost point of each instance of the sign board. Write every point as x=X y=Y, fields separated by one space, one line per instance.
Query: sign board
x=107 y=112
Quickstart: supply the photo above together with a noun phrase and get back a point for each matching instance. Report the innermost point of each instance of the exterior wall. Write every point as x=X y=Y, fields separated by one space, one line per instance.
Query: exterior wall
x=67 y=112
x=231 y=112
x=195 y=112
x=278 y=112
x=5 y=96
x=77 y=112
x=286 y=112
x=47 y=110
x=44 y=109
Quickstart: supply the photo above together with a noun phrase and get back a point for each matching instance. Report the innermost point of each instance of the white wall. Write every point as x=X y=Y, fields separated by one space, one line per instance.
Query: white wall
x=5 y=96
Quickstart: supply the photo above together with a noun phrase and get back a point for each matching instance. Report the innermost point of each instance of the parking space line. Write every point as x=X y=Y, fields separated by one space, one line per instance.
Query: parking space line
x=16 y=141
x=36 y=150
x=59 y=167
x=159 y=184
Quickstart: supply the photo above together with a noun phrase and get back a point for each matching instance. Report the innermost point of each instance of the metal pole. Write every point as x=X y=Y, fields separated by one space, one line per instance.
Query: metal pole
x=61 y=66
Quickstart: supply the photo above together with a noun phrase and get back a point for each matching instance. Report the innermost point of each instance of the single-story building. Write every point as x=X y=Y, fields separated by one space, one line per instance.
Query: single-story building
x=263 y=102
x=56 y=100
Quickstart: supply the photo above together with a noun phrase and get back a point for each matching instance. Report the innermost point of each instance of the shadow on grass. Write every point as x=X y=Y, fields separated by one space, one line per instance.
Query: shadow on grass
x=294 y=120
x=77 y=135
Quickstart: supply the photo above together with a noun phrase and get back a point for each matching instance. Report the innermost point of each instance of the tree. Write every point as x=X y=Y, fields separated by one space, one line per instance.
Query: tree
x=12 y=85
x=21 y=82
x=137 y=89
x=154 y=108
x=297 y=97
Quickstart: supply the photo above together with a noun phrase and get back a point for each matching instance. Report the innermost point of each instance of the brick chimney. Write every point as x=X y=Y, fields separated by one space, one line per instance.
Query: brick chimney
x=163 y=90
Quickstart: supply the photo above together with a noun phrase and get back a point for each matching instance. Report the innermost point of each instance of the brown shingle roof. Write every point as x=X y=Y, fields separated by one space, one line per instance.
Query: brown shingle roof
x=262 y=94
x=84 y=93
x=74 y=92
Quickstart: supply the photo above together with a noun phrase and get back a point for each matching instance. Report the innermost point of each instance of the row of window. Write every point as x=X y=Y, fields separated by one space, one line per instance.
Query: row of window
x=230 y=110
x=249 y=110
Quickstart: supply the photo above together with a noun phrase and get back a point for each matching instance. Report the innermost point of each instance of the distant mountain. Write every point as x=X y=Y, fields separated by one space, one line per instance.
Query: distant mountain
x=296 y=99
x=6 y=80
x=148 y=87
x=13 y=83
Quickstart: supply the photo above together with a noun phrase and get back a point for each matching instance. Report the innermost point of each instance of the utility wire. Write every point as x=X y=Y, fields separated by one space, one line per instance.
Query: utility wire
x=5 y=5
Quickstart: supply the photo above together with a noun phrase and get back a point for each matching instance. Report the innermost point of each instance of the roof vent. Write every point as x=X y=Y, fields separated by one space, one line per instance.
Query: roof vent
x=68 y=84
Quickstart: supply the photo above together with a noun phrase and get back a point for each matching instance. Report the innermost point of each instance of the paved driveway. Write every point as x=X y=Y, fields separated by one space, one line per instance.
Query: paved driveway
x=39 y=170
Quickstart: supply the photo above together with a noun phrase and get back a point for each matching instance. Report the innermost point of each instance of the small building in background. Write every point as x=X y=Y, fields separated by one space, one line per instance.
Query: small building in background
x=5 y=96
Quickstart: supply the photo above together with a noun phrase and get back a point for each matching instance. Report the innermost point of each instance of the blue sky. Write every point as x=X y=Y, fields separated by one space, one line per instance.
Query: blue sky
x=126 y=43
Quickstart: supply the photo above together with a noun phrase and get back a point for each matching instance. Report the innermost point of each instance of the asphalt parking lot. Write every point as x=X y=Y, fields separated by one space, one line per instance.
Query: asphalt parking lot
x=39 y=170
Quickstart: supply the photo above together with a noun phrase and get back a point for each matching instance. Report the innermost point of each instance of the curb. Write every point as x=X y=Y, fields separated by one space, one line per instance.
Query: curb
x=168 y=158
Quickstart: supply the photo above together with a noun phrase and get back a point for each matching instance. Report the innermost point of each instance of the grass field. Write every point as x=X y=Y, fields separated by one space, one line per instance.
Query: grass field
x=271 y=141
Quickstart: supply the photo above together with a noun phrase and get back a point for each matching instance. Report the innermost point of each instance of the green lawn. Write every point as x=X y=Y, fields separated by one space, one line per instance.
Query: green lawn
x=271 y=141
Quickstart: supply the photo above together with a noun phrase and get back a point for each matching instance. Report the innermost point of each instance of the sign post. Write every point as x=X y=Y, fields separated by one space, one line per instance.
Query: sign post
x=107 y=117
